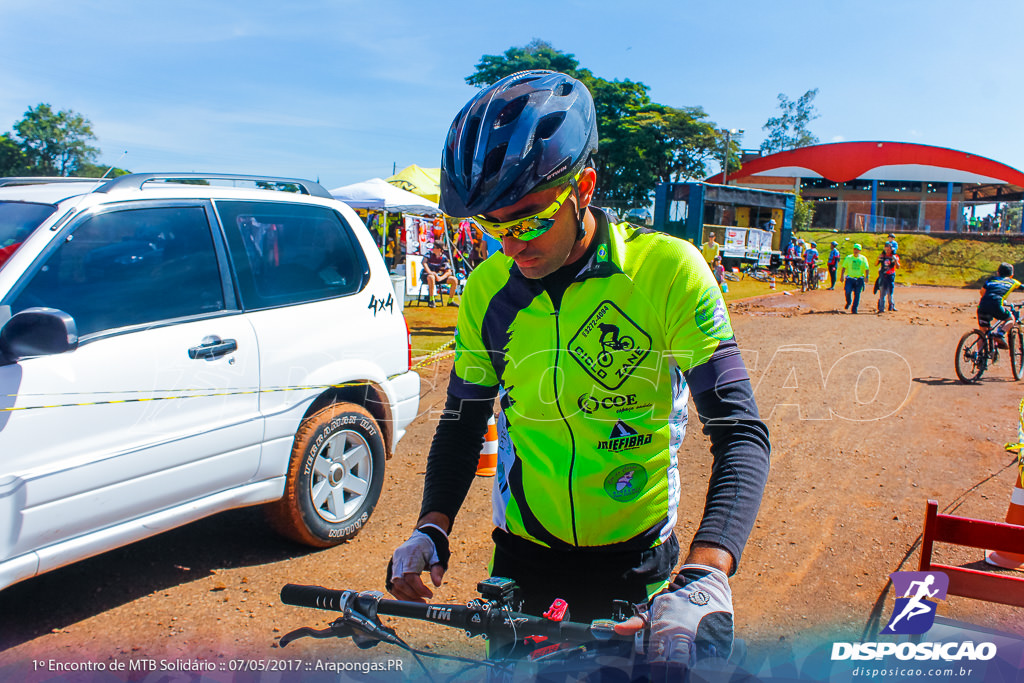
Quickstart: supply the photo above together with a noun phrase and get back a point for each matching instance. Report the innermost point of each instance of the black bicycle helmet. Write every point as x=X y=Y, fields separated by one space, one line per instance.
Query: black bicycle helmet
x=527 y=132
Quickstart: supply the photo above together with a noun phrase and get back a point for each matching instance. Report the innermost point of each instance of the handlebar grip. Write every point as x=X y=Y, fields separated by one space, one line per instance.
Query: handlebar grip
x=313 y=596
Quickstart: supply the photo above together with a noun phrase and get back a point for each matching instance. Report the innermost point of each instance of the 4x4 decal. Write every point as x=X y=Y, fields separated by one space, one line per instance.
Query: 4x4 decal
x=609 y=345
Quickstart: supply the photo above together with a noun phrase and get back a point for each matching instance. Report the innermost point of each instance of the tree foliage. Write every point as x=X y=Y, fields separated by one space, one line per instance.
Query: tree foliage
x=12 y=159
x=641 y=142
x=789 y=130
x=803 y=214
x=55 y=143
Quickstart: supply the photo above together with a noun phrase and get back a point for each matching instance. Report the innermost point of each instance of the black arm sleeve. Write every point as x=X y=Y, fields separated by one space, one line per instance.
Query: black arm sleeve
x=741 y=449
x=454 y=454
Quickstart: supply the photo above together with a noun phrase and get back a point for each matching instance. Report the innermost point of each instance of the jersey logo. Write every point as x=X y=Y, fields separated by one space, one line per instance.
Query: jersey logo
x=623 y=438
x=625 y=483
x=711 y=316
x=609 y=346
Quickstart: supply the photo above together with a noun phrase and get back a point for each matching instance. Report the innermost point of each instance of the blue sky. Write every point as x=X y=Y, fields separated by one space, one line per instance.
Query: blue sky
x=342 y=90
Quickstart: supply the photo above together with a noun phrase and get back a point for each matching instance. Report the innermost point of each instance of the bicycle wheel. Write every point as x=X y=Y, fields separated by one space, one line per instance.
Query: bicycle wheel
x=729 y=275
x=1016 y=343
x=971 y=357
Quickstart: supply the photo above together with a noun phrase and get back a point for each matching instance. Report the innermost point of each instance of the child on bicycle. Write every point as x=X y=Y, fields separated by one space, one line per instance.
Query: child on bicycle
x=993 y=297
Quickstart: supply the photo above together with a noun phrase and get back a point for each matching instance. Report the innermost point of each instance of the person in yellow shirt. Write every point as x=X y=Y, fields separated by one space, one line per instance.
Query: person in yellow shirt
x=854 y=273
x=710 y=249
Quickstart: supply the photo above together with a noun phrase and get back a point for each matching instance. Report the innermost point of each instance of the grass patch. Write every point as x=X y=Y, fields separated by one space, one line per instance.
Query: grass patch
x=431 y=328
x=927 y=260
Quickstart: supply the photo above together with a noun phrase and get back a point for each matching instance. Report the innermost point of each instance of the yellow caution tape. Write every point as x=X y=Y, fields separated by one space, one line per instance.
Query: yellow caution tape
x=233 y=392
x=436 y=356
x=1018 y=447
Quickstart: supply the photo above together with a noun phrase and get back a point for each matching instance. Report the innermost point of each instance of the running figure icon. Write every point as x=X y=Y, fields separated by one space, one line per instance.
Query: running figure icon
x=917 y=594
x=916 y=605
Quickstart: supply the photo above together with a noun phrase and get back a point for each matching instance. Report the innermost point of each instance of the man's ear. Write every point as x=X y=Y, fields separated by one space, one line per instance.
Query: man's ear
x=587 y=183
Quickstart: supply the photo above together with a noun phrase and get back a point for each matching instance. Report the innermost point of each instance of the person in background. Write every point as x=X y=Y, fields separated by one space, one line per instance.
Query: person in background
x=719 y=272
x=437 y=270
x=854 y=272
x=710 y=249
x=833 y=264
x=892 y=242
x=888 y=262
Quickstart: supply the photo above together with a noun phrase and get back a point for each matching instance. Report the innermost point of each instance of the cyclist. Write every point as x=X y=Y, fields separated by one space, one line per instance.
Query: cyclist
x=993 y=295
x=810 y=259
x=833 y=264
x=788 y=255
x=585 y=497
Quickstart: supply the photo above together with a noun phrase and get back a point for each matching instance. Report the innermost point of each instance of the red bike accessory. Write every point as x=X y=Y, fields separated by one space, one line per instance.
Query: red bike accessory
x=558 y=610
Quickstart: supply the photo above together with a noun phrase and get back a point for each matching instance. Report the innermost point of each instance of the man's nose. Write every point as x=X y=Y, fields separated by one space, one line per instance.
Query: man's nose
x=512 y=246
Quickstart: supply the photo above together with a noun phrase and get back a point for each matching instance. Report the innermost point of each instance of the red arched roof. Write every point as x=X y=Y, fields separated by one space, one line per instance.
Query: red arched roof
x=845 y=161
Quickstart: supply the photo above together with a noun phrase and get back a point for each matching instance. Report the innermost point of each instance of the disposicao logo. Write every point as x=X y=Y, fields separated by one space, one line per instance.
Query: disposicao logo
x=915 y=610
x=914 y=613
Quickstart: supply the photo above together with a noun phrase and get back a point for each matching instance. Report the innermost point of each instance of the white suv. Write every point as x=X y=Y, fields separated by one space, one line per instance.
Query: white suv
x=171 y=347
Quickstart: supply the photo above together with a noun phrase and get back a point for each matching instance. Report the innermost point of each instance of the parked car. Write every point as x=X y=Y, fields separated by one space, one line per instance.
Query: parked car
x=172 y=346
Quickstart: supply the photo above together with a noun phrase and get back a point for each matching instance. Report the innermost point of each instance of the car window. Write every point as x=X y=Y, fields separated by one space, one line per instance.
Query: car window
x=130 y=267
x=290 y=253
x=17 y=221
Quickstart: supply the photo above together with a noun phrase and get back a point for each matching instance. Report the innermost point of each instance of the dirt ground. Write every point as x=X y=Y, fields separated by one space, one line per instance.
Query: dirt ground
x=867 y=423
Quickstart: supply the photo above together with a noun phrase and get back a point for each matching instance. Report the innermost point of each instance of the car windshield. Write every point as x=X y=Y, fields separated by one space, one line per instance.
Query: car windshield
x=17 y=221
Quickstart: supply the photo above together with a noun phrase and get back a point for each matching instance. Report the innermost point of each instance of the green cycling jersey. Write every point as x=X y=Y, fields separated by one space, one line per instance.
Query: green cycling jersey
x=593 y=396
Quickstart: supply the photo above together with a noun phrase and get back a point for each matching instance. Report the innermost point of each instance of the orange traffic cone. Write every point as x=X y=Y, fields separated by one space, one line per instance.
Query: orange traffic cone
x=1015 y=515
x=489 y=453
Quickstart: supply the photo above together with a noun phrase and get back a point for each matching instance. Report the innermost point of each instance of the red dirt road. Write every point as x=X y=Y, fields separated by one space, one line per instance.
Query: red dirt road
x=867 y=423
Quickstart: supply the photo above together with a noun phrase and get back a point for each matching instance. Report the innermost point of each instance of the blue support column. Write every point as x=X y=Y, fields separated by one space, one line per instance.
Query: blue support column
x=949 y=203
x=874 y=203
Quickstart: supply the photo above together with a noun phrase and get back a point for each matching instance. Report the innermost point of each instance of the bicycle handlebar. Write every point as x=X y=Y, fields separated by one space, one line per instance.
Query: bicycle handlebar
x=476 y=618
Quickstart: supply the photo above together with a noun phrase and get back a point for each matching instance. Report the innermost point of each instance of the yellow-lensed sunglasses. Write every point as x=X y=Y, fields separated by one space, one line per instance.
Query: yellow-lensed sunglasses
x=528 y=227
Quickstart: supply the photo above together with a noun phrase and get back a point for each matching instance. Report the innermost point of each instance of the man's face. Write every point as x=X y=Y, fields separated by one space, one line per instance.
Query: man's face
x=711 y=238
x=547 y=253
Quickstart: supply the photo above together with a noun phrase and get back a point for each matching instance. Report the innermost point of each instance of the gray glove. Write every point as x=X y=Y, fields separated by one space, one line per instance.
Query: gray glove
x=693 y=619
x=427 y=546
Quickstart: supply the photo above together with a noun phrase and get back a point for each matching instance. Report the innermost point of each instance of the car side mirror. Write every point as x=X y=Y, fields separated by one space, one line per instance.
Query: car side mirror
x=38 y=332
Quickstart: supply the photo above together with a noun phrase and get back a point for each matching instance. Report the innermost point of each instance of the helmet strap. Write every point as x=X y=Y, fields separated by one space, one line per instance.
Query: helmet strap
x=581 y=227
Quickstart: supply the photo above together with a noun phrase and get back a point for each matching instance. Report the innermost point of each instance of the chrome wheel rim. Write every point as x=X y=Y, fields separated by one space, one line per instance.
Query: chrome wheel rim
x=340 y=481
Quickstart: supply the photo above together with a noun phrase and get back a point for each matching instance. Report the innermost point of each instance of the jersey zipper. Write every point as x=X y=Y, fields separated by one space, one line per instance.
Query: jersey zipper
x=572 y=437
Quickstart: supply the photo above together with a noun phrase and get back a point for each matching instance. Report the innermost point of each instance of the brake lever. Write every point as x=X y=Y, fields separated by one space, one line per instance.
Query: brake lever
x=337 y=629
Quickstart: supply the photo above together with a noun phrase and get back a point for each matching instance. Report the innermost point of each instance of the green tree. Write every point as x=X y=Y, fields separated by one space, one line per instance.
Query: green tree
x=55 y=143
x=789 y=130
x=803 y=214
x=641 y=141
x=538 y=54
x=12 y=159
x=88 y=170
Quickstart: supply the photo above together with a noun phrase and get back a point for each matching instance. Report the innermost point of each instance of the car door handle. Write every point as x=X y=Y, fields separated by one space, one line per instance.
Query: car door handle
x=212 y=347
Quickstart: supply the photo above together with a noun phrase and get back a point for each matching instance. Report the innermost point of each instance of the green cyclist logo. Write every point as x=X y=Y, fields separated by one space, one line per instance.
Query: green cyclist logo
x=625 y=483
x=711 y=316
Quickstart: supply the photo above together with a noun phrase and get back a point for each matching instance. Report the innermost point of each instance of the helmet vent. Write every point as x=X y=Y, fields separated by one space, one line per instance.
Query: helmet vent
x=563 y=89
x=511 y=111
x=472 y=134
x=494 y=160
x=548 y=125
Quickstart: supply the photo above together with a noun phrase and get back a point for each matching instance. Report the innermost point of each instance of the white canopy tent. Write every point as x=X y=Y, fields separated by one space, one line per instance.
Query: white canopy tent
x=379 y=195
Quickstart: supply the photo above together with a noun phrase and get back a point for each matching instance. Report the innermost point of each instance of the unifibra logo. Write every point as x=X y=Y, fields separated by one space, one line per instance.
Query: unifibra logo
x=916 y=595
x=625 y=483
x=624 y=438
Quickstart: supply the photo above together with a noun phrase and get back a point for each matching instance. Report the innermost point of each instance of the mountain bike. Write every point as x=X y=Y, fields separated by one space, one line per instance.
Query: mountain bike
x=759 y=273
x=548 y=644
x=978 y=349
x=809 y=277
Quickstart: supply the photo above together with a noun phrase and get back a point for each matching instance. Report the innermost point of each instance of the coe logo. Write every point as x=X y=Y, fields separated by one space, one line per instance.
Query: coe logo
x=590 y=404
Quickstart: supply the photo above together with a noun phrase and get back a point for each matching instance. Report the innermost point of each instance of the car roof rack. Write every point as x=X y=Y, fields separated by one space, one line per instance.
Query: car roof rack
x=45 y=180
x=137 y=180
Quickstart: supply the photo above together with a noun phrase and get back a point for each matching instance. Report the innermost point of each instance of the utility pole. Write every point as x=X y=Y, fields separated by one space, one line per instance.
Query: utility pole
x=729 y=132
